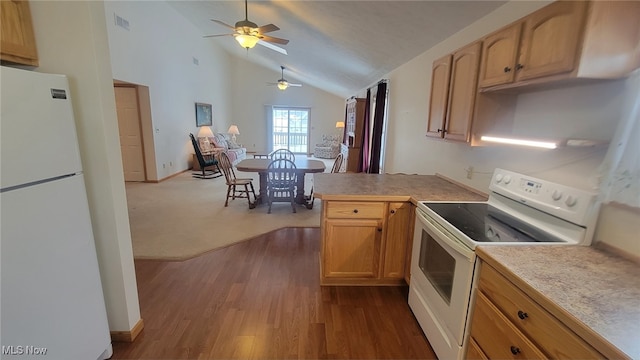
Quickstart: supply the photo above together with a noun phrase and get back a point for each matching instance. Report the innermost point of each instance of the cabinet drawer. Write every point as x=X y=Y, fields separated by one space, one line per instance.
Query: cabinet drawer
x=355 y=210
x=497 y=337
x=553 y=337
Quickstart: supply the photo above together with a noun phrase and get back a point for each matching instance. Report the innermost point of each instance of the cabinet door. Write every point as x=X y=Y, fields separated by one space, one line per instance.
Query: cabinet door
x=462 y=95
x=550 y=40
x=474 y=352
x=398 y=236
x=499 y=55
x=352 y=248
x=440 y=75
x=16 y=34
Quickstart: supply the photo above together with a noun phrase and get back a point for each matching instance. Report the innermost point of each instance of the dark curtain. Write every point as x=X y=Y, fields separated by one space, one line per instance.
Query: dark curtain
x=363 y=162
x=344 y=129
x=378 y=126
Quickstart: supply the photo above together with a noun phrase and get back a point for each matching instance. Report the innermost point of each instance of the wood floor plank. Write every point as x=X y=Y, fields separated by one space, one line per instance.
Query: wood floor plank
x=262 y=299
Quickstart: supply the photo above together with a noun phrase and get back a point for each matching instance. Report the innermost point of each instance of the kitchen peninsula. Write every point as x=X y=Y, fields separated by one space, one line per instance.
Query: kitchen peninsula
x=367 y=223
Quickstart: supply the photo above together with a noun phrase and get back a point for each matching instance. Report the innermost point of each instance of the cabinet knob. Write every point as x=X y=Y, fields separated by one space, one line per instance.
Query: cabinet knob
x=393 y=211
x=507 y=69
x=355 y=211
x=439 y=130
x=515 y=350
x=380 y=229
x=519 y=67
x=522 y=315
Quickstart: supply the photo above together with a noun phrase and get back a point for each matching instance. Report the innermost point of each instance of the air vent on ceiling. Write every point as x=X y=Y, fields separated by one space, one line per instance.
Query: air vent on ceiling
x=120 y=21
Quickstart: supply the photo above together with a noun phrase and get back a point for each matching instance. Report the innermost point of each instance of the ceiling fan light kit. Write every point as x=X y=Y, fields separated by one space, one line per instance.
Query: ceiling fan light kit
x=248 y=33
x=247 y=41
x=282 y=83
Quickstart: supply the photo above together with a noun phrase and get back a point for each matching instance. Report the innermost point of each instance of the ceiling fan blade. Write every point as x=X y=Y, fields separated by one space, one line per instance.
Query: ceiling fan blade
x=273 y=47
x=295 y=85
x=267 y=28
x=274 y=40
x=207 y=36
x=223 y=24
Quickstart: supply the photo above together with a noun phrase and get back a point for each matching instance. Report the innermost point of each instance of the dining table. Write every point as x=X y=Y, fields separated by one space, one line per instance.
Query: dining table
x=303 y=167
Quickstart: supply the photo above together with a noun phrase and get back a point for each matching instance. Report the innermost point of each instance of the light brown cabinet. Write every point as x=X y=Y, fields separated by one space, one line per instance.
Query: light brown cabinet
x=508 y=323
x=564 y=40
x=365 y=242
x=17 y=40
x=453 y=94
x=397 y=238
x=354 y=126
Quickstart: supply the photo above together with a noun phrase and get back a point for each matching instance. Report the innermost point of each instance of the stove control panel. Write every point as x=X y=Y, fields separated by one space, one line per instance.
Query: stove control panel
x=575 y=205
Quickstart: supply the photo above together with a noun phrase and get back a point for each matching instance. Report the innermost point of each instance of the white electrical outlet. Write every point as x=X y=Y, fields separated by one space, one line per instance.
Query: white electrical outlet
x=469 y=171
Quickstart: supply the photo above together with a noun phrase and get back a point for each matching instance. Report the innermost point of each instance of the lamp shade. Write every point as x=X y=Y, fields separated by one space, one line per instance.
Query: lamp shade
x=247 y=41
x=205 y=131
x=339 y=124
x=233 y=130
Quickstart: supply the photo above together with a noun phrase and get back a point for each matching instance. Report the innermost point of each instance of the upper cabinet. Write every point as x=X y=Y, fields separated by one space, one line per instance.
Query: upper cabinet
x=453 y=92
x=18 y=43
x=564 y=40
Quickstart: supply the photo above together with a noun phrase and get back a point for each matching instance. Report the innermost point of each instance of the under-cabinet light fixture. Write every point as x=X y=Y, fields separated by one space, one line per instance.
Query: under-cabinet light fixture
x=521 y=142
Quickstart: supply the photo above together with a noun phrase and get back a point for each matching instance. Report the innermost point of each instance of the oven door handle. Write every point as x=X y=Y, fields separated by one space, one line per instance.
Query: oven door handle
x=450 y=240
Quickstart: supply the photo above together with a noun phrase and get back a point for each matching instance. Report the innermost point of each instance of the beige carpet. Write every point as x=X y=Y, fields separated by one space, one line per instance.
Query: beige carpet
x=183 y=217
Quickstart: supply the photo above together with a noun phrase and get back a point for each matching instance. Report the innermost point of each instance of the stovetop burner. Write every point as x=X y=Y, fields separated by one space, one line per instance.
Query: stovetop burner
x=484 y=223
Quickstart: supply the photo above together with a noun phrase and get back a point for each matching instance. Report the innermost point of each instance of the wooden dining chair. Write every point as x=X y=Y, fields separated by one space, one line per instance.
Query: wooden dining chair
x=281 y=182
x=236 y=187
x=282 y=154
x=334 y=169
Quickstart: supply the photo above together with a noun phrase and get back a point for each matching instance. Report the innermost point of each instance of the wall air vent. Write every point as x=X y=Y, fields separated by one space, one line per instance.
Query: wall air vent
x=120 y=21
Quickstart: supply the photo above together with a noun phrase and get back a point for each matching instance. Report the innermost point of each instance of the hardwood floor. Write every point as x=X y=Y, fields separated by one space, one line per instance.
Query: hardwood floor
x=262 y=299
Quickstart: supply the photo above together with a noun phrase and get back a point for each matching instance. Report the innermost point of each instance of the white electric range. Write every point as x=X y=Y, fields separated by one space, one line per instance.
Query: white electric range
x=520 y=210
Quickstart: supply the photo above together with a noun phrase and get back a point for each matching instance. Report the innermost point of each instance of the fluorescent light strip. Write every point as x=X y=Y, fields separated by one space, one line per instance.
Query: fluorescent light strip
x=540 y=144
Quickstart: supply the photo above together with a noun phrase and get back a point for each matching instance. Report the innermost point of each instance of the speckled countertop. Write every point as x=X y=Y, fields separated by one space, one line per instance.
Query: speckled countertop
x=389 y=187
x=598 y=289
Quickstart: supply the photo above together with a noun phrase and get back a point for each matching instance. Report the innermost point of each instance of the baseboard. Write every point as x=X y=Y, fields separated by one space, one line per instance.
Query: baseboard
x=169 y=177
x=128 y=336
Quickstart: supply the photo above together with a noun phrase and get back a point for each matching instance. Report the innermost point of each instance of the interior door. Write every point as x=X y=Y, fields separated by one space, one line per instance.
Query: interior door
x=130 y=133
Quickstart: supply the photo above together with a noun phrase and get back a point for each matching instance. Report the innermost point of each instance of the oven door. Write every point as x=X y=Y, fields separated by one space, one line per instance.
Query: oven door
x=441 y=277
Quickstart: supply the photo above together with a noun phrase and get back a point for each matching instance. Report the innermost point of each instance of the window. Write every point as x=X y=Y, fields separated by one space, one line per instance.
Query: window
x=290 y=129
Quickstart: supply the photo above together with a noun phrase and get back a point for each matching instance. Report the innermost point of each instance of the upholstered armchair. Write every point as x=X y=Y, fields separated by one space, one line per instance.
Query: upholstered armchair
x=329 y=148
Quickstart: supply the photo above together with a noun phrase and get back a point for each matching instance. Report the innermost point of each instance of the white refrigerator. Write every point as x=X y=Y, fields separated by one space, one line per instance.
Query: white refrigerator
x=51 y=300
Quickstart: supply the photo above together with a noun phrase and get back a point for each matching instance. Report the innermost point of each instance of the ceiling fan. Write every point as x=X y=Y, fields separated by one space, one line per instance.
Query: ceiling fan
x=282 y=83
x=248 y=34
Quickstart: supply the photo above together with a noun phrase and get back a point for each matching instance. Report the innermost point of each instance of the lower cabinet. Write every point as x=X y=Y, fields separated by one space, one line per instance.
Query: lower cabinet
x=508 y=324
x=365 y=243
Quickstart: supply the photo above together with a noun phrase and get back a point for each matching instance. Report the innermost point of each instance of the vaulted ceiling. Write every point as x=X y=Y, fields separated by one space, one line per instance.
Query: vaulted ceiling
x=338 y=46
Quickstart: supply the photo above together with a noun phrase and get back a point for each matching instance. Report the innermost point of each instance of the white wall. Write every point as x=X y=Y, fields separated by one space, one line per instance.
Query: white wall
x=585 y=111
x=251 y=94
x=71 y=38
x=158 y=51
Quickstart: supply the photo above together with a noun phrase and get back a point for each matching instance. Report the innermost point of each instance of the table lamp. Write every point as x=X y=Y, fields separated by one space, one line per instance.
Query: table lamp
x=233 y=130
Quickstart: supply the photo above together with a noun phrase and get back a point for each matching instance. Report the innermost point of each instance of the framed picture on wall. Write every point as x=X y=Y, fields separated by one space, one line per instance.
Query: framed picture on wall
x=203 y=114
